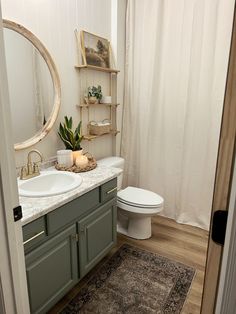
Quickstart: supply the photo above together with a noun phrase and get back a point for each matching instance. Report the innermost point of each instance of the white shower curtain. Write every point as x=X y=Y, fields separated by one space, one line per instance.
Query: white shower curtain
x=176 y=66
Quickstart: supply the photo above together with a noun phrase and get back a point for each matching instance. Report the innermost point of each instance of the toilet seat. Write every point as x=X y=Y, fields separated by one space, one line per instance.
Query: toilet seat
x=138 y=200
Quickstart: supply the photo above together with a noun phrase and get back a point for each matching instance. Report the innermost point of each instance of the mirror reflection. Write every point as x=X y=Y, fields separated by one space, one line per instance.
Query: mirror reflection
x=30 y=85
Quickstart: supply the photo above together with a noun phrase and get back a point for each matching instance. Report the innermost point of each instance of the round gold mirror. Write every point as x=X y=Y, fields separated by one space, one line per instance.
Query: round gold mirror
x=34 y=85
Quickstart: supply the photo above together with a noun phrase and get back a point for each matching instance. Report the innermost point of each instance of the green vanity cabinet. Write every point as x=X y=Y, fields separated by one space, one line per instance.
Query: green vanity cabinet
x=97 y=235
x=52 y=270
x=63 y=245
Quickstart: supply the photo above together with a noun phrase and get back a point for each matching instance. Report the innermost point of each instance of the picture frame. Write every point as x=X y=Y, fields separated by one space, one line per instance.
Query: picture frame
x=95 y=50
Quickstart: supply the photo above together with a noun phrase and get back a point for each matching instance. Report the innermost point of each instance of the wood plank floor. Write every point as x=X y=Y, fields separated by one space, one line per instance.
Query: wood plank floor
x=182 y=243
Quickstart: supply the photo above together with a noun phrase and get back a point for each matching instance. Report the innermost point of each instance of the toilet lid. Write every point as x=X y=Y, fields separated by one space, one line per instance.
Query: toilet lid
x=140 y=197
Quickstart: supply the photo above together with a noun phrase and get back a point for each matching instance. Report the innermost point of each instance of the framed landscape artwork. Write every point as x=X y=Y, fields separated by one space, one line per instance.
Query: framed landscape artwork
x=95 y=50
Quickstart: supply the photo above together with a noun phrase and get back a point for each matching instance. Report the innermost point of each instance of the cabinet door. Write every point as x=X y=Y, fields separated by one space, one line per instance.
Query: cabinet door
x=97 y=235
x=52 y=270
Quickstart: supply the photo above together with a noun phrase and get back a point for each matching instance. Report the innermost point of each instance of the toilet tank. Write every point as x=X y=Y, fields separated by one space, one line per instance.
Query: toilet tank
x=115 y=162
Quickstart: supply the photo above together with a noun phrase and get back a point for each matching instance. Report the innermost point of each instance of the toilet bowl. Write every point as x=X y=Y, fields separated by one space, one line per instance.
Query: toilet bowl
x=135 y=206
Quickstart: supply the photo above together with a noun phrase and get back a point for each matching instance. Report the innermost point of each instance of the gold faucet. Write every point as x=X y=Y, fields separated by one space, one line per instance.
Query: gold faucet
x=32 y=169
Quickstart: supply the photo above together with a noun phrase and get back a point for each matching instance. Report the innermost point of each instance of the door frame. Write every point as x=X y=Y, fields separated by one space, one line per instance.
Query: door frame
x=223 y=181
x=225 y=302
x=13 y=284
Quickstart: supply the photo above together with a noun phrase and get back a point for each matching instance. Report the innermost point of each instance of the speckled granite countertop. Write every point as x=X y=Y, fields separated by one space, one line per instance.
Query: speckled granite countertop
x=34 y=208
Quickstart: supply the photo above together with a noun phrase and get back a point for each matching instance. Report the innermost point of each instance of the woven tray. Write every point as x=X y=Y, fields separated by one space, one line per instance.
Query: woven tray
x=92 y=164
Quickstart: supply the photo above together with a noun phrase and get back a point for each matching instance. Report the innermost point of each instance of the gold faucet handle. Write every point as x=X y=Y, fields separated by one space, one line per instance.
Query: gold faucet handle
x=23 y=173
x=36 y=168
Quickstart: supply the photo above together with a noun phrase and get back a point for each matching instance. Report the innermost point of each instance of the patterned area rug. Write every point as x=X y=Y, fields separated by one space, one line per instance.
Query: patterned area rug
x=134 y=281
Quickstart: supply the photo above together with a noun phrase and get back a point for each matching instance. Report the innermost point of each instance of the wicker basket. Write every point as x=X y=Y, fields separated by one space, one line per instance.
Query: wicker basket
x=95 y=129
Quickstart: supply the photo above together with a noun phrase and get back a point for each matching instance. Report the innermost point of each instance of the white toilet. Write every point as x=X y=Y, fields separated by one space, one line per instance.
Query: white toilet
x=135 y=206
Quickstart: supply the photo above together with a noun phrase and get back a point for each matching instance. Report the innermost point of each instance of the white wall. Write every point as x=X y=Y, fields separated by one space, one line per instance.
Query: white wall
x=118 y=29
x=54 y=22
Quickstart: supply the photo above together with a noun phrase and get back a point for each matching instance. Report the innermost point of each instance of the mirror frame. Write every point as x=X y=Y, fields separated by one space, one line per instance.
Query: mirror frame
x=55 y=80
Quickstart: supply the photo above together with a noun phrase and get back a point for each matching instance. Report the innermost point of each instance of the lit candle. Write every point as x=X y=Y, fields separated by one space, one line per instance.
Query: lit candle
x=81 y=161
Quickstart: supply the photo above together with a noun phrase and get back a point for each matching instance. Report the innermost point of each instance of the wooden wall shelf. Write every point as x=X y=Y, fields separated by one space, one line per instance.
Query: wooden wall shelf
x=85 y=108
x=90 y=137
x=88 y=105
x=93 y=67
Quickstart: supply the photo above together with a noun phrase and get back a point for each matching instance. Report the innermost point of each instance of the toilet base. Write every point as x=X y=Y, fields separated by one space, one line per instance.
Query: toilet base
x=136 y=227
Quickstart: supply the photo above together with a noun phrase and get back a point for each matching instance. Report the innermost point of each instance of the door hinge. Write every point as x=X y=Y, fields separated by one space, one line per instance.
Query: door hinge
x=17 y=213
x=219 y=226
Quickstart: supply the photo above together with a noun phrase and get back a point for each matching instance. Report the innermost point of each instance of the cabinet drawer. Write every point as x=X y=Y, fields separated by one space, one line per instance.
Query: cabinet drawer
x=34 y=232
x=108 y=190
x=69 y=212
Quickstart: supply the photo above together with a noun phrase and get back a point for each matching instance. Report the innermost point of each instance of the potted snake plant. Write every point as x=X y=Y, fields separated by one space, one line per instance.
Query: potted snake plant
x=71 y=139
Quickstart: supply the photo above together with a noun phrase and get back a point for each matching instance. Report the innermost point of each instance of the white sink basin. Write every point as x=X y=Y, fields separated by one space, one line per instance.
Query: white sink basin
x=49 y=183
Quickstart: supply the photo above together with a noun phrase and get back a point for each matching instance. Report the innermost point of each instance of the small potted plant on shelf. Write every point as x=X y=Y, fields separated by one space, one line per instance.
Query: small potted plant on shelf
x=70 y=138
x=94 y=94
